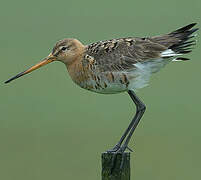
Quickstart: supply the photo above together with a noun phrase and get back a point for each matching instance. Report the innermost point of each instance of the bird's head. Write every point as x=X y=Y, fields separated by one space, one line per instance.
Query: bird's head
x=66 y=51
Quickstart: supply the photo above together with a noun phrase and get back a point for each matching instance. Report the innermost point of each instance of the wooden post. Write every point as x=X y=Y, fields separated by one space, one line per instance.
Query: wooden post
x=116 y=172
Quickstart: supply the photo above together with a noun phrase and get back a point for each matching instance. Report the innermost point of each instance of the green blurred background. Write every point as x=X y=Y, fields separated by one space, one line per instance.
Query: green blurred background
x=51 y=129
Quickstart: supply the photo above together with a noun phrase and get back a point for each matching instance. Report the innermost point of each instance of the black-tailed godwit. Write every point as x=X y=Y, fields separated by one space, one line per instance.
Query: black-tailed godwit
x=120 y=65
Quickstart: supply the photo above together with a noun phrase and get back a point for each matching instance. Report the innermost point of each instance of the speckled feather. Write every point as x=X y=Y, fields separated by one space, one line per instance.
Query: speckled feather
x=118 y=65
x=126 y=63
x=122 y=53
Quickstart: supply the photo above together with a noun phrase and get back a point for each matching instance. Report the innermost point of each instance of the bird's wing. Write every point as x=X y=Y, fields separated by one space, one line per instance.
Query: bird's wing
x=122 y=54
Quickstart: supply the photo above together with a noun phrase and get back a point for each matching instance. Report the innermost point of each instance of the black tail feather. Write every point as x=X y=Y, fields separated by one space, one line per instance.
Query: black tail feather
x=182 y=59
x=183 y=45
x=184 y=29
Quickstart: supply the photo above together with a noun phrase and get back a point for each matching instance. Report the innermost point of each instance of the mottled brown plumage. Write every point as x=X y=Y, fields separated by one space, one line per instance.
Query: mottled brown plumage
x=114 y=60
x=119 y=65
x=122 y=53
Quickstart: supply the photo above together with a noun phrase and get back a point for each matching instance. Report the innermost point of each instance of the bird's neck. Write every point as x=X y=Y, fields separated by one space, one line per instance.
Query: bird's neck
x=76 y=69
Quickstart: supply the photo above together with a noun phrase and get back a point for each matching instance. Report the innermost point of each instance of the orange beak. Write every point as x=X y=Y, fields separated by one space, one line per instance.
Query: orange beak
x=50 y=58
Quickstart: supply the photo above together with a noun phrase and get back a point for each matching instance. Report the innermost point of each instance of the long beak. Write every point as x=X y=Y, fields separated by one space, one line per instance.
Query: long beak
x=50 y=58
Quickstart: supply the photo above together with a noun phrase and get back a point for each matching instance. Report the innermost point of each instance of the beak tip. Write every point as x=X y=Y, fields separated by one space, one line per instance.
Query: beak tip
x=6 y=82
x=15 y=77
x=44 y=62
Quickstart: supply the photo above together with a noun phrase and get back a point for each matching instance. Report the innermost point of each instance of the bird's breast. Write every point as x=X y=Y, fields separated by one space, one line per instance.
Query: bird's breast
x=96 y=81
x=78 y=73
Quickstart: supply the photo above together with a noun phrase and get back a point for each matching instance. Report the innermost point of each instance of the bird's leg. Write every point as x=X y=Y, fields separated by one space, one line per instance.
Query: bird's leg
x=118 y=145
x=139 y=108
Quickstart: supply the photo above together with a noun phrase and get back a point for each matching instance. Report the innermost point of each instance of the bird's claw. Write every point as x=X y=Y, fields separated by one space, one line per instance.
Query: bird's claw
x=115 y=151
x=117 y=148
x=129 y=149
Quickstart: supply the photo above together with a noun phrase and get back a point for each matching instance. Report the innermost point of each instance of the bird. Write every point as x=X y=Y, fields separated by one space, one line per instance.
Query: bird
x=120 y=65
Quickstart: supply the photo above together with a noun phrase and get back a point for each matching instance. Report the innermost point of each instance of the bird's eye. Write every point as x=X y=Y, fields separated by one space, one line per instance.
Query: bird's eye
x=64 y=48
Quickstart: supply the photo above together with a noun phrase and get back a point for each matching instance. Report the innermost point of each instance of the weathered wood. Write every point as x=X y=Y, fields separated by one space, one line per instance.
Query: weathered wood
x=115 y=170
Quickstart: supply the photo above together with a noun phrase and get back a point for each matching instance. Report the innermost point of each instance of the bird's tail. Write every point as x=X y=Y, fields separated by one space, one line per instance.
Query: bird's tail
x=178 y=42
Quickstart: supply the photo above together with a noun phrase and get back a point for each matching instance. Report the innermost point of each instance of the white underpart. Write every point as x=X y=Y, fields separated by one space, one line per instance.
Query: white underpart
x=138 y=77
x=145 y=69
x=169 y=53
x=175 y=59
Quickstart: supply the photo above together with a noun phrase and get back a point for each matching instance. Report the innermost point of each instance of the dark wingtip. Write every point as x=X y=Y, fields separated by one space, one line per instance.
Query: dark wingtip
x=185 y=28
x=192 y=24
x=182 y=59
x=184 y=46
x=189 y=26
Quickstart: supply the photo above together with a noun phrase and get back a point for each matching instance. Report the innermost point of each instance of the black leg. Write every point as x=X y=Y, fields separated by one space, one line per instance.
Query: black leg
x=139 y=108
x=118 y=145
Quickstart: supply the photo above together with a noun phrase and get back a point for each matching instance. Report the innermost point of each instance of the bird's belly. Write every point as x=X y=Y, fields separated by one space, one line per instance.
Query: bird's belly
x=104 y=87
x=119 y=81
x=105 y=83
x=112 y=88
x=115 y=82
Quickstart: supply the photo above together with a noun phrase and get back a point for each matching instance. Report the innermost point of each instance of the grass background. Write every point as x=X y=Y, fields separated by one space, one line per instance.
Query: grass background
x=51 y=129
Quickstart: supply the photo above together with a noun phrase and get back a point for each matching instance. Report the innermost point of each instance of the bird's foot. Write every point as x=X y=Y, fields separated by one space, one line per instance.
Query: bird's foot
x=115 y=151
x=119 y=149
